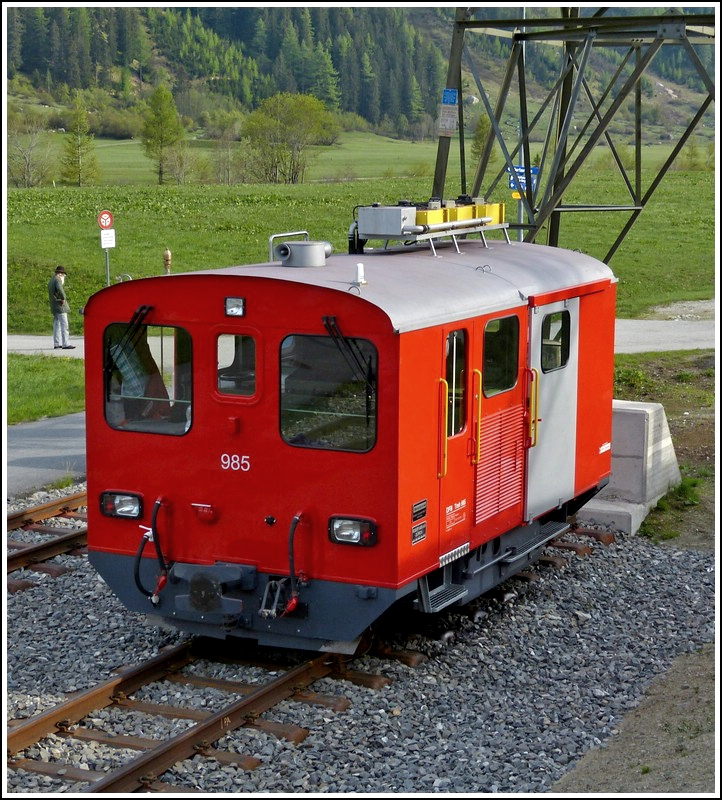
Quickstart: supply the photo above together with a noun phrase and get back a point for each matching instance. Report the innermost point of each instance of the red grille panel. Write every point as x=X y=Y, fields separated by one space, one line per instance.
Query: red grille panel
x=500 y=471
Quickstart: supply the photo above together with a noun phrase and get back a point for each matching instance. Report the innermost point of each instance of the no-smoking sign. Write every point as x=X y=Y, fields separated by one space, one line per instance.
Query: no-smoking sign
x=105 y=220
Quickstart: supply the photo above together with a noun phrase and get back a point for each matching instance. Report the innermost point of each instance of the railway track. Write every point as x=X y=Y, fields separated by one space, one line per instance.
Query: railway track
x=76 y=719
x=84 y=744
x=42 y=542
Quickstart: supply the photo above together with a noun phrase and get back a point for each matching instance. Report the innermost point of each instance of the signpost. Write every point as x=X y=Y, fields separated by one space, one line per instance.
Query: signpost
x=449 y=114
x=107 y=239
x=517 y=180
x=517 y=183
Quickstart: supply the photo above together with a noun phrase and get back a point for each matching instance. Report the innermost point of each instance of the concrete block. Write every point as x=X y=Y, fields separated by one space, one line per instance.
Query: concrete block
x=644 y=463
x=644 y=467
x=616 y=515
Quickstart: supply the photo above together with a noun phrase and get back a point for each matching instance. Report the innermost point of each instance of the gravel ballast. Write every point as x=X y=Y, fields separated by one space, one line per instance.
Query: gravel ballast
x=541 y=673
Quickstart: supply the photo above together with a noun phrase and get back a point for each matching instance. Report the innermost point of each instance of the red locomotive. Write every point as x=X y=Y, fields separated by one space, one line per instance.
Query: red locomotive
x=283 y=451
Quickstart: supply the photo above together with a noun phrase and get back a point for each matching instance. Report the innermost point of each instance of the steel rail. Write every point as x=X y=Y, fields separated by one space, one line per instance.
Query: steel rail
x=143 y=771
x=37 y=553
x=35 y=728
x=52 y=509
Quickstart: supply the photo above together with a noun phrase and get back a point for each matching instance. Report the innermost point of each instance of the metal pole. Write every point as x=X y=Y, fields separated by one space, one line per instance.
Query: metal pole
x=520 y=207
x=107 y=268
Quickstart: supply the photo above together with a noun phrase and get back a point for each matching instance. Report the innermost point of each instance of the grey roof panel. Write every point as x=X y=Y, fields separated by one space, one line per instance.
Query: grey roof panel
x=418 y=288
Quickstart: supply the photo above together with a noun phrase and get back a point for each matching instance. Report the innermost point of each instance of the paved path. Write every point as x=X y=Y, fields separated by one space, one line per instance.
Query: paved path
x=632 y=336
x=40 y=453
x=658 y=335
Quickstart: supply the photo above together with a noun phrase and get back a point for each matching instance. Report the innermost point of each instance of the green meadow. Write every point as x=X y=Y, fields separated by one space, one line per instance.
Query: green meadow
x=668 y=255
x=355 y=156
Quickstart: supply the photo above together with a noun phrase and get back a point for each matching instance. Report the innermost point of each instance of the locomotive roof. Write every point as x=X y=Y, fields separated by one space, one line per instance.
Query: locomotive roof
x=417 y=288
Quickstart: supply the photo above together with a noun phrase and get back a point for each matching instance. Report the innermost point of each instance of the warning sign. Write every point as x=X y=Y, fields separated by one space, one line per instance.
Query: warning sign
x=105 y=220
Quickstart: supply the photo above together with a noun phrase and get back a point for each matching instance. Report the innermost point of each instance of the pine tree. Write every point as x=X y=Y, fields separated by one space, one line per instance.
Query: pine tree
x=325 y=78
x=162 y=128
x=15 y=30
x=79 y=164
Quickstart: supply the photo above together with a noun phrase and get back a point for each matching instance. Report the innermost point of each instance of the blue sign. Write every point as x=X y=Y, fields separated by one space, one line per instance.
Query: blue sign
x=450 y=97
x=518 y=179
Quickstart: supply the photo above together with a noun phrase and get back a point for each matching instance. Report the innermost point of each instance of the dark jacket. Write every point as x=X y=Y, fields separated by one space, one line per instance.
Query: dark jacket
x=57 y=296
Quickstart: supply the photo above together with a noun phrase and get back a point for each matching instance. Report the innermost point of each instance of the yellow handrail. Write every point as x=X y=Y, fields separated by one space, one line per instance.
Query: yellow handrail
x=445 y=429
x=477 y=456
x=533 y=407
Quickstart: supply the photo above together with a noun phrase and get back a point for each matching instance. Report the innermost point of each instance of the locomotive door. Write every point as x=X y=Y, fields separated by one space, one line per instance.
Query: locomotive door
x=454 y=465
x=553 y=386
x=499 y=455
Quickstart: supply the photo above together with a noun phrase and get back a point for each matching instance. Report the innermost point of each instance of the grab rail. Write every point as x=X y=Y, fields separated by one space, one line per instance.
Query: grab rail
x=445 y=429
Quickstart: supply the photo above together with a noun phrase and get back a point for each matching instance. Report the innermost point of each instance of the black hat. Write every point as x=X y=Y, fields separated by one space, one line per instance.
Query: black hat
x=61 y=270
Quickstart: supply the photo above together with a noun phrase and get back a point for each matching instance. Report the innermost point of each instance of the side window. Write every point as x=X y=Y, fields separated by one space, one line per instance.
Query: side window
x=328 y=392
x=500 y=370
x=236 y=364
x=455 y=377
x=147 y=378
x=555 y=340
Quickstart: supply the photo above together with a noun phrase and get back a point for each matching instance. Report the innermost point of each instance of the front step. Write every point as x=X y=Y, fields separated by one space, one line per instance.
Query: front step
x=447 y=593
x=549 y=530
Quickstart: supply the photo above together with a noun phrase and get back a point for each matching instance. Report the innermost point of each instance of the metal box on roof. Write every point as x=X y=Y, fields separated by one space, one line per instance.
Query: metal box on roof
x=385 y=221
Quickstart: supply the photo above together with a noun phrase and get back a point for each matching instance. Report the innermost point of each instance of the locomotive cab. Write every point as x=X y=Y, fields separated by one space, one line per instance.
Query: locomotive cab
x=296 y=450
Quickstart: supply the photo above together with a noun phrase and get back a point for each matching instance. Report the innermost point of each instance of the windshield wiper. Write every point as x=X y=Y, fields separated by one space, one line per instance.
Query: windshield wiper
x=350 y=350
x=129 y=337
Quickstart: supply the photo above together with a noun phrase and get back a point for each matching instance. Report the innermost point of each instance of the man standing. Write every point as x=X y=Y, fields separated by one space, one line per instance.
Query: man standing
x=60 y=308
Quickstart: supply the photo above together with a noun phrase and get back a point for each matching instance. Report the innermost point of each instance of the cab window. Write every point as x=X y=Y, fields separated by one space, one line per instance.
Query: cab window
x=455 y=377
x=500 y=370
x=147 y=378
x=236 y=364
x=556 y=329
x=328 y=392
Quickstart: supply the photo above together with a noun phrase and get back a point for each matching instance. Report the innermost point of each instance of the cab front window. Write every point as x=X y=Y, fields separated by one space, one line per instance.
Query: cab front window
x=236 y=364
x=147 y=378
x=328 y=392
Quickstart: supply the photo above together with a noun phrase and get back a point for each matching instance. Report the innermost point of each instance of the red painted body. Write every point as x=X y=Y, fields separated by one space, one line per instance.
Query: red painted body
x=230 y=485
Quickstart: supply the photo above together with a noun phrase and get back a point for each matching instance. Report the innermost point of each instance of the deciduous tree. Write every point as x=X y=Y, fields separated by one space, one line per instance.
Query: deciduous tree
x=28 y=153
x=281 y=132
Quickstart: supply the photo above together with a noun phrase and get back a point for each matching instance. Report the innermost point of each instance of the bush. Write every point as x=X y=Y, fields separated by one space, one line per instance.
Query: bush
x=349 y=121
x=113 y=124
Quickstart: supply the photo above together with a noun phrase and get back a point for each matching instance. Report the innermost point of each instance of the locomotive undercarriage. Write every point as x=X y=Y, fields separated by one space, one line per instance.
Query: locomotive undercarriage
x=235 y=600
x=480 y=570
x=470 y=574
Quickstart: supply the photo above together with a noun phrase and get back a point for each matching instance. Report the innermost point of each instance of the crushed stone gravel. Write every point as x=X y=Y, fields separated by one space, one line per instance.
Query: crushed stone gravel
x=517 y=687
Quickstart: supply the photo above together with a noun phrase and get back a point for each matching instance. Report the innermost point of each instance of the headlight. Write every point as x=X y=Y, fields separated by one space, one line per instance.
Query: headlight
x=352 y=530
x=116 y=504
x=235 y=306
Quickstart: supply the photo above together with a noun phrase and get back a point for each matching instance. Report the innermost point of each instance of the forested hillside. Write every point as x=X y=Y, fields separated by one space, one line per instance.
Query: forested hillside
x=370 y=62
x=386 y=66
x=239 y=94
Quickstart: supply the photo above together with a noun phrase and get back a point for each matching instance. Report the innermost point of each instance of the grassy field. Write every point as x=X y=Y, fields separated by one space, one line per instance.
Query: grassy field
x=356 y=156
x=668 y=255
x=34 y=384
